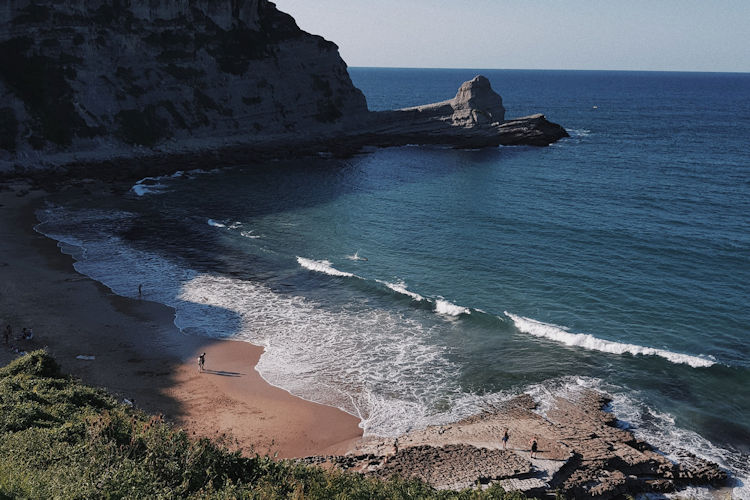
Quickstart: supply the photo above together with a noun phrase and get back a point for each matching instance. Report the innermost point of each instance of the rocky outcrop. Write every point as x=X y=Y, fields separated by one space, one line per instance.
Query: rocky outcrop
x=83 y=81
x=582 y=453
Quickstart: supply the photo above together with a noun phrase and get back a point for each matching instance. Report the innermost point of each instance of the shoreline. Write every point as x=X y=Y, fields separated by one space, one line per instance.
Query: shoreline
x=139 y=353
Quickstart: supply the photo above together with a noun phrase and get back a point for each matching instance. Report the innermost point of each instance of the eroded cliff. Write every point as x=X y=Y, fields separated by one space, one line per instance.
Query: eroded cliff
x=88 y=82
x=91 y=74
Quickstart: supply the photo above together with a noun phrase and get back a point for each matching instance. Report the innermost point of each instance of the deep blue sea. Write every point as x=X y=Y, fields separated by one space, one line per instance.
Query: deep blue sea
x=415 y=285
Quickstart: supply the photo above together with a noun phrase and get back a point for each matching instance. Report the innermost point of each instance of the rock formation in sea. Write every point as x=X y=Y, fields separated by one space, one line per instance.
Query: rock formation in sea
x=475 y=117
x=91 y=80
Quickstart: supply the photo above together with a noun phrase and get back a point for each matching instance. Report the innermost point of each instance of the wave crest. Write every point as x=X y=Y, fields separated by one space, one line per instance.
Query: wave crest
x=400 y=287
x=322 y=266
x=587 y=341
x=442 y=306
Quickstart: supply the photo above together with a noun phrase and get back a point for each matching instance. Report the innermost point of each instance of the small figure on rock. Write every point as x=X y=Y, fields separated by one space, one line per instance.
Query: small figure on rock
x=534 y=447
x=201 y=362
x=395 y=446
x=506 y=436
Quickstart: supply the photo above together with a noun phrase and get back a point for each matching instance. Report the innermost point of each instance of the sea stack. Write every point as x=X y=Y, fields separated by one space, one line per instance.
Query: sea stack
x=474 y=118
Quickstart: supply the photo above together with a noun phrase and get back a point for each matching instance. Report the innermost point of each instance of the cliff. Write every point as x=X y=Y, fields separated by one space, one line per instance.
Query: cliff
x=86 y=81
x=92 y=74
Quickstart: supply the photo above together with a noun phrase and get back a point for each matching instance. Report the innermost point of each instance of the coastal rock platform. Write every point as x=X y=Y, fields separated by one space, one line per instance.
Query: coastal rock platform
x=582 y=453
x=474 y=118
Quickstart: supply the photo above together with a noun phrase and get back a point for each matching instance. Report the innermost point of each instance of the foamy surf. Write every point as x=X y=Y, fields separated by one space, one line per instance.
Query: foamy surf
x=148 y=185
x=322 y=266
x=400 y=287
x=214 y=223
x=446 y=308
x=376 y=365
x=587 y=341
x=153 y=185
x=249 y=235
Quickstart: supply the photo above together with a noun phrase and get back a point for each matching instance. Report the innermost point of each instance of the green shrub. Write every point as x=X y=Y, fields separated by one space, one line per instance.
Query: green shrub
x=37 y=364
x=60 y=439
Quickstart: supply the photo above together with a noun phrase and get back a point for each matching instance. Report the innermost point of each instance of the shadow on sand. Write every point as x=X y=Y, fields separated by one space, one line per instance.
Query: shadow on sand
x=224 y=373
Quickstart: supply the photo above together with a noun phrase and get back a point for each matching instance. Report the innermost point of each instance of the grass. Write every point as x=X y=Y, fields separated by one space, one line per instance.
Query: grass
x=62 y=439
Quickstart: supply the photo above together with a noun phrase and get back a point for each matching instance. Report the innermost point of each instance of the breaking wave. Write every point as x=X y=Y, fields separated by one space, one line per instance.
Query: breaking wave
x=400 y=287
x=442 y=306
x=323 y=266
x=587 y=341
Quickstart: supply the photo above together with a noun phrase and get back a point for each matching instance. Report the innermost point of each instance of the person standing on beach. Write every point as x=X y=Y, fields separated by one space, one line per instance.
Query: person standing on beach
x=506 y=436
x=8 y=333
x=534 y=446
x=201 y=362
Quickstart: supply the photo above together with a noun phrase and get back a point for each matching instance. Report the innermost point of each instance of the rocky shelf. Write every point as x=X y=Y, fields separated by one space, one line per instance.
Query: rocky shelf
x=582 y=453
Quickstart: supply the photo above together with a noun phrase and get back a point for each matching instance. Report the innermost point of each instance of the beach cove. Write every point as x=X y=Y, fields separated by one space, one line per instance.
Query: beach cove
x=138 y=353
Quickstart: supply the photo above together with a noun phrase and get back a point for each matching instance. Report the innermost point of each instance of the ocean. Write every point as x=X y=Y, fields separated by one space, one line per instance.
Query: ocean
x=418 y=285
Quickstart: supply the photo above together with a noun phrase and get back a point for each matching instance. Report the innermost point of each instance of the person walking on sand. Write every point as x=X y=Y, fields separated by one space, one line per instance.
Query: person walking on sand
x=506 y=436
x=201 y=362
x=534 y=446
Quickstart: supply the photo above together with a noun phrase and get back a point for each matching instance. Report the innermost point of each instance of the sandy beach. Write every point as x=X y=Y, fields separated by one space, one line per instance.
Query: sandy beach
x=140 y=355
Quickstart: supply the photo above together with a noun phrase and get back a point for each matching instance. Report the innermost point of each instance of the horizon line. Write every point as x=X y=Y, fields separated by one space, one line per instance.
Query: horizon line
x=558 y=69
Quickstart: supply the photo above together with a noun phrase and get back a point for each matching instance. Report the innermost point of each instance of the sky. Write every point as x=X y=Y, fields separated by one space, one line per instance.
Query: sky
x=657 y=35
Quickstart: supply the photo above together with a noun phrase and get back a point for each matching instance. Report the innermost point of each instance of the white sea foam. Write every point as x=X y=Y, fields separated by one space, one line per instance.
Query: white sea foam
x=148 y=185
x=587 y=341
x=581 y=132
x=400 y=287
x=156 y=185
x=660 y=430
x=153 y=185
x=444 y=307
x=377 y=365
x=322 y=266
x=356 y=256
x=249 y=234
x=213 y=223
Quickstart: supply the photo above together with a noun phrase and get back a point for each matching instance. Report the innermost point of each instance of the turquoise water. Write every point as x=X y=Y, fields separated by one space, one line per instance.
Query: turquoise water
x=414 y=285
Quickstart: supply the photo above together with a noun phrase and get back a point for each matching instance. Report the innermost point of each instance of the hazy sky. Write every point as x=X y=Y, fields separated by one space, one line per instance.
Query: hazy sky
x=688 y=35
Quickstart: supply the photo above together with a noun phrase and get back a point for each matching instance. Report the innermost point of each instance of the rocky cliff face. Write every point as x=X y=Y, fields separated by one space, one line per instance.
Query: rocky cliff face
x=93 y=75
x=84 y=82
